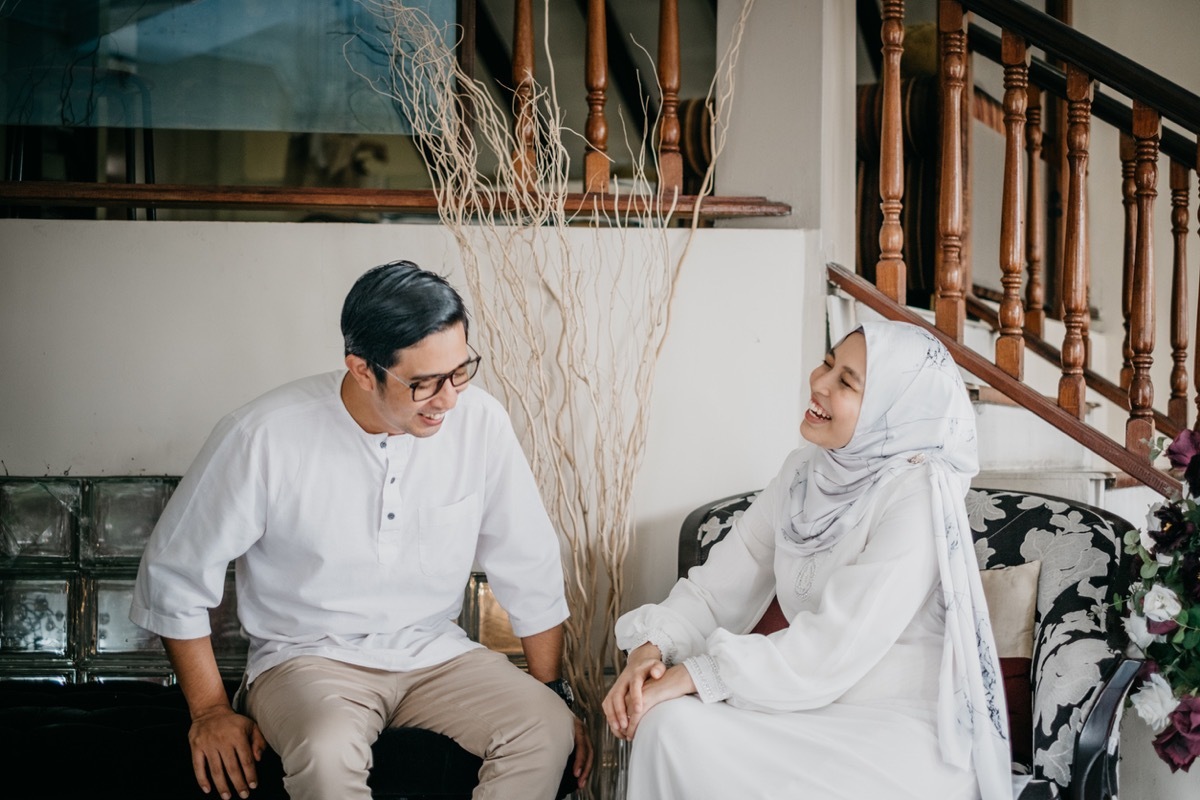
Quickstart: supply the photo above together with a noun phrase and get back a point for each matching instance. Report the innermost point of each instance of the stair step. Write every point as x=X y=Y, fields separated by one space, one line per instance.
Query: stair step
x=1084 y=486
x=1132 y=503
x=1013 y=439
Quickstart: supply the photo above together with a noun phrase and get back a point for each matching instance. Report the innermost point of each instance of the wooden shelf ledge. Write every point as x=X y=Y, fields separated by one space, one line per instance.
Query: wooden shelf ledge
x=409 y=201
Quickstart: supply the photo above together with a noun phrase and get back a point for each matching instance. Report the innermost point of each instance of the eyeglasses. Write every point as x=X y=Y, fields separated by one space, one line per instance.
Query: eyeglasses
x=426 y=388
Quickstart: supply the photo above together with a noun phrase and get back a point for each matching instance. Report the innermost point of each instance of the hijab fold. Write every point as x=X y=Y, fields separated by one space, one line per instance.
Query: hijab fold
x=915 y=410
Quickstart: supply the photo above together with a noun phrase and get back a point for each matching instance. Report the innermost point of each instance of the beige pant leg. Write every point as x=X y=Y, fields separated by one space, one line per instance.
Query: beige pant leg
x=520 y=728
x=321 y=717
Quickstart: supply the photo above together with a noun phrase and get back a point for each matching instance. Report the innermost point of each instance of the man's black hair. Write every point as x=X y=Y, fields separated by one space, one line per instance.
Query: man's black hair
x=394 y=306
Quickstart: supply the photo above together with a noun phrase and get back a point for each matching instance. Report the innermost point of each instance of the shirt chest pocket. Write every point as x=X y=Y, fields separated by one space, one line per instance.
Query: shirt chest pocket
x=446 y=536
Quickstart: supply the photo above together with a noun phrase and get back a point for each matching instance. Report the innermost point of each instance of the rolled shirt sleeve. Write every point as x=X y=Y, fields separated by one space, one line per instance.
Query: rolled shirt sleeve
x=518 y=548
x=216 y=514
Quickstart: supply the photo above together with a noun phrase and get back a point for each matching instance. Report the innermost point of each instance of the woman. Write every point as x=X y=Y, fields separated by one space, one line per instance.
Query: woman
x=885 y=684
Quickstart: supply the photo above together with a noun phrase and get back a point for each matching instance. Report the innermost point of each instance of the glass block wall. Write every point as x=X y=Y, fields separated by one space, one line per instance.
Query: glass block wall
x=69 y=552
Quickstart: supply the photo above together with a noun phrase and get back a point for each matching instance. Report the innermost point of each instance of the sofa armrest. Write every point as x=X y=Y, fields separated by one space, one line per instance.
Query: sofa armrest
x=1090 y=771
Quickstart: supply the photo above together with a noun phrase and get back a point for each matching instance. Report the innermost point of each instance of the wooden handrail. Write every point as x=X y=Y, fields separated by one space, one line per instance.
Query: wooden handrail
x=1101 y=63
x=1104 y=107
x=1101 y=385
x=414 y=201
x=1024 y=395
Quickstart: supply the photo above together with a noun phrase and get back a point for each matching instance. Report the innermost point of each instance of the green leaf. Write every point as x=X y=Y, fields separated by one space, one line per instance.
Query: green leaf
x=1157 y=445
x=1132 y=536
x=1179 y=636
x=1194 y=617
x=1149 y=569
x=1192 y=639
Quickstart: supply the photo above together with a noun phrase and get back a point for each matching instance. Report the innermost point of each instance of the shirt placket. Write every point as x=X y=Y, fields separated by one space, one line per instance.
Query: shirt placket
x=395 y=451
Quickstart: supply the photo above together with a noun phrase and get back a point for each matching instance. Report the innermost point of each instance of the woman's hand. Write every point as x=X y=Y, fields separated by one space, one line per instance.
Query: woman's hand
x=644 y=683
x=625 y=698
x=675 y=682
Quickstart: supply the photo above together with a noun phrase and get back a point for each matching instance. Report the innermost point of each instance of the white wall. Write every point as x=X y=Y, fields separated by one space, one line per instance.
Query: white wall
x=791 y=135
x=122 y=343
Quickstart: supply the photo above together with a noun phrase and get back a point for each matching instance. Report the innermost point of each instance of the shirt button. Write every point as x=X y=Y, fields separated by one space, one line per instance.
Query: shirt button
x=391 y=515
x=383 y=444
x=393 y=480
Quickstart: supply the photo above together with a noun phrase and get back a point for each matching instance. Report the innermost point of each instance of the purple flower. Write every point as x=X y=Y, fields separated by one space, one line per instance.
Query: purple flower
x=1161 y=628
x=1184 y=448
x=1174 y=749
x=1175 y=530
x=1186 y=719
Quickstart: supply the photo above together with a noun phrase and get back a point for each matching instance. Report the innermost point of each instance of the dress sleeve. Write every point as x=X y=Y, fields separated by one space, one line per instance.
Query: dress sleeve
x=217 y=512
x=518 y=547
x=730 y=590
x=865 y=606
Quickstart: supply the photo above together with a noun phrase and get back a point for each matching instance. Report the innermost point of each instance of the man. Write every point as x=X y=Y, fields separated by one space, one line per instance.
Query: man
x=355 y=503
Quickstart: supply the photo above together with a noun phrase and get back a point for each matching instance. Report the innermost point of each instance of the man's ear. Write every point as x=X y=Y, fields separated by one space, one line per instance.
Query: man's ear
x=361 y=373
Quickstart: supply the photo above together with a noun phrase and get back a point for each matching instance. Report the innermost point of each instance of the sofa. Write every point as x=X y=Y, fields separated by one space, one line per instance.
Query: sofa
x=128 y=739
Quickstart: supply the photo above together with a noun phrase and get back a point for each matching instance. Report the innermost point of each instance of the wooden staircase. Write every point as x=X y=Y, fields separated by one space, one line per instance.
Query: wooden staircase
x=1045 y=271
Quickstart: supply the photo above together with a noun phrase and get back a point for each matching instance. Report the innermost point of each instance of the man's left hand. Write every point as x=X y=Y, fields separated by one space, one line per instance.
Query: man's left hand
x=583 y=754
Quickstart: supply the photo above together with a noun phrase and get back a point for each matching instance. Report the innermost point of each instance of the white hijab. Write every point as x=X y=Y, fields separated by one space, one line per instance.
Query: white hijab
x=915 y=409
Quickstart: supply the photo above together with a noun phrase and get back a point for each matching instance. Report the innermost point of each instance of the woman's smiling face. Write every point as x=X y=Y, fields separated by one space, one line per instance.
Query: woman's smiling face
x=837 y=393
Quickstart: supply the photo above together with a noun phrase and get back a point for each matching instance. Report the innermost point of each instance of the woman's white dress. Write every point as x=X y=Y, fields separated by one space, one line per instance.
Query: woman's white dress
x=840 y=704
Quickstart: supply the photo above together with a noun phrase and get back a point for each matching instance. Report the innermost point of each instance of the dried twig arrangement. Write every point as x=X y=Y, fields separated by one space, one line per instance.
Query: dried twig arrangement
x=572 y=310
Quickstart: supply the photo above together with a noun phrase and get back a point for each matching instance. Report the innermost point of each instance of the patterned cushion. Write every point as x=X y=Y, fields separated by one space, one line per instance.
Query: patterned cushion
x=1077 y=638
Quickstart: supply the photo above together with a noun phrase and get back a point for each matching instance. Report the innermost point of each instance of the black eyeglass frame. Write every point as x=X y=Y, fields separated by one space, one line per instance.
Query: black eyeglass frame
x=471 y=364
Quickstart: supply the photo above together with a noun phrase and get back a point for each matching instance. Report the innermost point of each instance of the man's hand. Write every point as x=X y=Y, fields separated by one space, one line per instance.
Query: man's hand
x=225 y=746
x=583 y=754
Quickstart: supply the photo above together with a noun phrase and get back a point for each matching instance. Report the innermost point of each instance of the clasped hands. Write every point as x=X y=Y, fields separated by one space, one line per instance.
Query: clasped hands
x=644 y=683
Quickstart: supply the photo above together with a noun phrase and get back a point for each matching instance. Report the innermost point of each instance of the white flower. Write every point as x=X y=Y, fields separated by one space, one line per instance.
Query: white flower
x=1154 y=702
x=1135 y=626
x=1146 y=542
x=1161 y=604
x=1151 y=520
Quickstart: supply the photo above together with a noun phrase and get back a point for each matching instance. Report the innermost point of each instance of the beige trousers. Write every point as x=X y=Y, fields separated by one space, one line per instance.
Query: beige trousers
x=321 y=717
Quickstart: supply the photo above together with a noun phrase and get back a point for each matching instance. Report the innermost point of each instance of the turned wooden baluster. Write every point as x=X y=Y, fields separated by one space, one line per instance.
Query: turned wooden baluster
x=949 y=306
x=595 y=161
x=1196 y=369
x=524 y=159
x=1177 y=406
x=670 y=162
x=1071 y=387
x=1035 y=231
x=890 y=273
x=1139 y=430
x=1129 y=201
x=1010 y=347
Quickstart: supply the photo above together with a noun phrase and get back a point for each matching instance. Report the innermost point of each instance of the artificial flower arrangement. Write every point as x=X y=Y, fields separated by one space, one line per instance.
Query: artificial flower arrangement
x=1162 y=612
